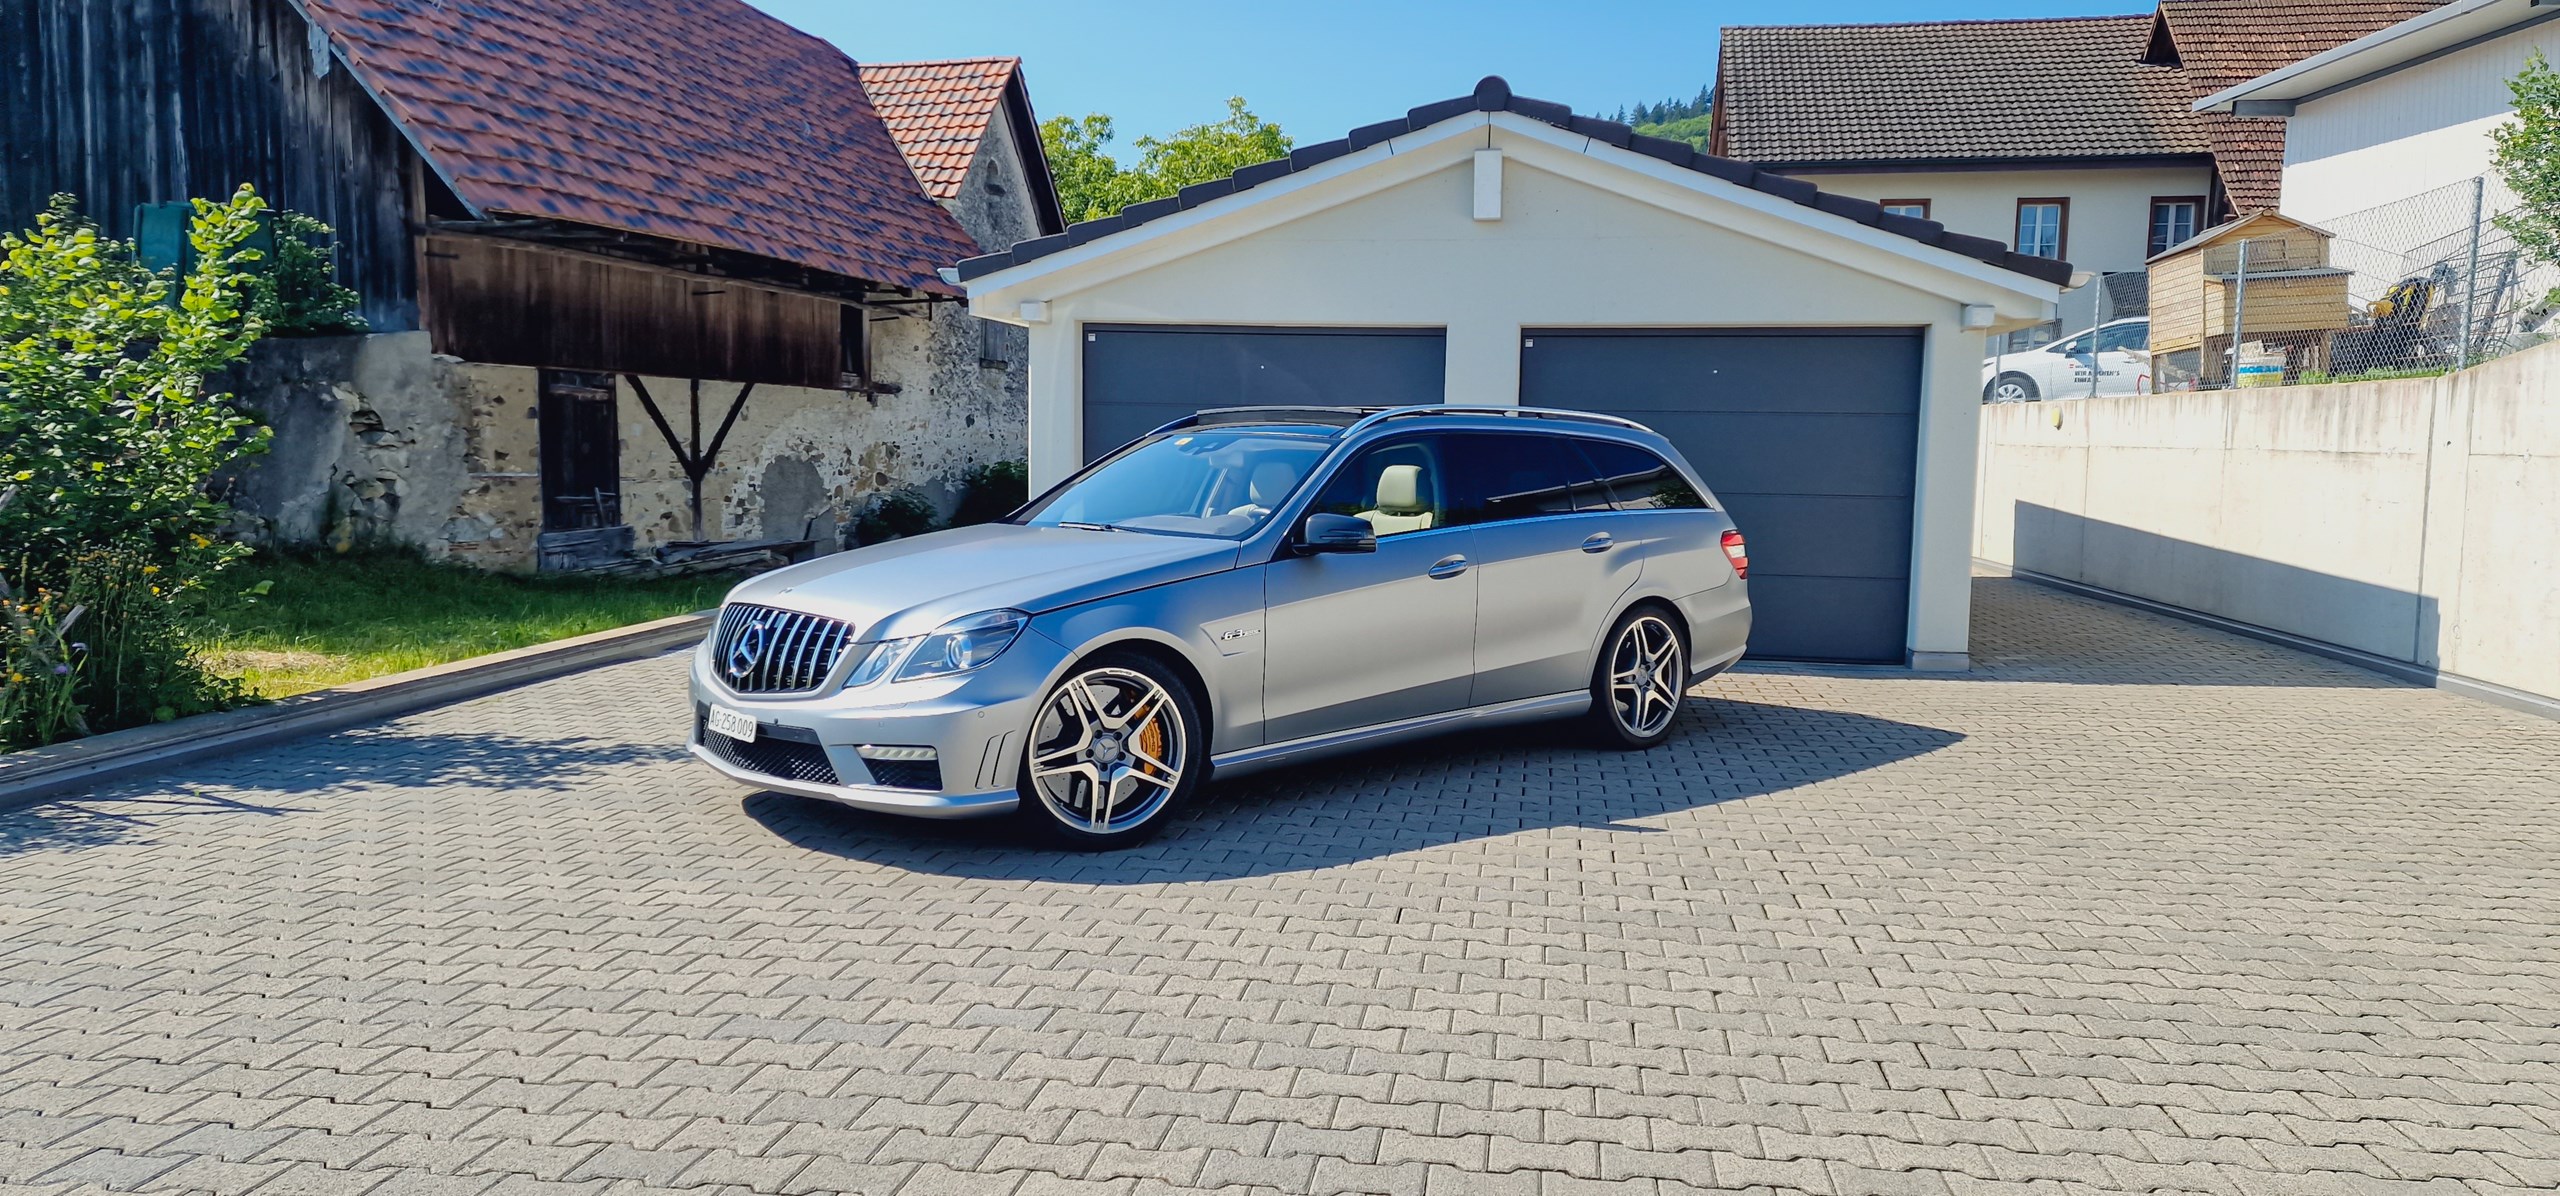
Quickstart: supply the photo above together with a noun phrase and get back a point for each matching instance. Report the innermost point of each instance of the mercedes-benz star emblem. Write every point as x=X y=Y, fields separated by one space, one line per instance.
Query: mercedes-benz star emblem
x=748 y=648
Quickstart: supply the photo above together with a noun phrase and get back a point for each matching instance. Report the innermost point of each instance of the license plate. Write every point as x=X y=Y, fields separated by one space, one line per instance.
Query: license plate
x=736 y=724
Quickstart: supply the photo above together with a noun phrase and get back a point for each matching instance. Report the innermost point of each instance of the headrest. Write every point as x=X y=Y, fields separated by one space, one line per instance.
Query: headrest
x=1271 y=482
x=1400 y=489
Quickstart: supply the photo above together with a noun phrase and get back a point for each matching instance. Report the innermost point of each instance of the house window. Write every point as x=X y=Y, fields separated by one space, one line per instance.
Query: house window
x=2174 y=221
x=2042 y=225
x=853 y=336
x=1917 y=209
x=994 y=349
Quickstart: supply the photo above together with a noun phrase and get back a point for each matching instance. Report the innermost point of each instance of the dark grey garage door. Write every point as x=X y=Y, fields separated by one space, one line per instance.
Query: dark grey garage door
x=1140 y=377
x=1810 y=437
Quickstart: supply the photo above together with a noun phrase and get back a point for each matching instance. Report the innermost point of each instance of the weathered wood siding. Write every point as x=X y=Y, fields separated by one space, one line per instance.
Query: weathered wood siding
x=124 y=102
x=488 y=301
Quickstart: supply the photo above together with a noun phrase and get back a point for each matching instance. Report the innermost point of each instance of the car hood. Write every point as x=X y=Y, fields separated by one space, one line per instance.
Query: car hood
x=911 y=586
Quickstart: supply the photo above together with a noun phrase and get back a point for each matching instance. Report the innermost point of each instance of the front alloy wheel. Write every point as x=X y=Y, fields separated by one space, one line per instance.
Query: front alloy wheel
x=1112 y=750
x=1642 y=677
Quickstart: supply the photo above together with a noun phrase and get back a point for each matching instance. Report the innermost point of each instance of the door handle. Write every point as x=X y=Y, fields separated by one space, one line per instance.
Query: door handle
x=1598 y=542
x=1449 y=566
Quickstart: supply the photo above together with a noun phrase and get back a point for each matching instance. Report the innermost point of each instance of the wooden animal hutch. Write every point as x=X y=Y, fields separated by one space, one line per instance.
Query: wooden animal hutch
x=2293 y=301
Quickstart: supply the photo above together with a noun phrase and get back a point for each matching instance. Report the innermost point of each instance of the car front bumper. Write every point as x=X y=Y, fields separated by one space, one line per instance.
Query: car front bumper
x=861 y=747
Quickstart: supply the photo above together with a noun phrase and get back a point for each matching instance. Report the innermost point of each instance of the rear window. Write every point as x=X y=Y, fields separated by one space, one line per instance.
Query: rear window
x=1504 y=476
x=1639 y=480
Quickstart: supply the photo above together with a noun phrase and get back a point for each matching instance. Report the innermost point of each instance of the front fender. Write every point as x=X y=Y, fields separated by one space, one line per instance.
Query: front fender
x=1182 y=619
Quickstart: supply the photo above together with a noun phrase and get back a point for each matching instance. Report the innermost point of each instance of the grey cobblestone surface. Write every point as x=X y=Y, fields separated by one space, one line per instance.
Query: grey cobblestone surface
x=2133 y=908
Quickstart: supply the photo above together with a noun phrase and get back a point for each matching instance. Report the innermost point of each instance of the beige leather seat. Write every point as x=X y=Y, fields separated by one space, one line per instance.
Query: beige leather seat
x=1400 y=507
x=1270 y=482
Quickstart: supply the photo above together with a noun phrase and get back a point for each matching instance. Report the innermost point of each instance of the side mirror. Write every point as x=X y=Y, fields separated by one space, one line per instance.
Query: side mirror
x=1327 y=532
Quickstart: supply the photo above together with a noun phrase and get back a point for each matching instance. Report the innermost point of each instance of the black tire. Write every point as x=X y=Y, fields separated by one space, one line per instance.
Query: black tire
x=1650 y=722
x=2025 y=385
x=1073 y=745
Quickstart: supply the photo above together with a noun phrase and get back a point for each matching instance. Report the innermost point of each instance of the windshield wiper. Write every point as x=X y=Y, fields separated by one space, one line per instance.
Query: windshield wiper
x=1088 y=527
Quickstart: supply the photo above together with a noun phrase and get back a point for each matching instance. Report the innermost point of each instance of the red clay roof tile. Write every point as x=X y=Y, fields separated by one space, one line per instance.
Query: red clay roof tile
x=2219 y=43
x=939 y=112
x=691 y=120
x=2068 y=87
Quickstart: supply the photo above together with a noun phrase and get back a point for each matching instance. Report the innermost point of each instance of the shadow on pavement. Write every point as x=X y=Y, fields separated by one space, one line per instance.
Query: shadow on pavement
x=329 y=766
x=1399 y=799
x=95 y=822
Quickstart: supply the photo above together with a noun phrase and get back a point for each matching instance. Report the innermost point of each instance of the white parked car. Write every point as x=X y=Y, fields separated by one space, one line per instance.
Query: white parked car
x=2119 y=350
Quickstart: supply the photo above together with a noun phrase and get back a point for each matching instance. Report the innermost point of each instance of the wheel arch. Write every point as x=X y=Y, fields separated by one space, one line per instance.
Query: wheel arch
x=1160 y=647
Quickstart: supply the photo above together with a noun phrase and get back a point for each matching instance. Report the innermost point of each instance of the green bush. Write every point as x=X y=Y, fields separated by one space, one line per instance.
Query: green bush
x=894 y=515
x=991 y=491
x=108 y=440
x=299 y=295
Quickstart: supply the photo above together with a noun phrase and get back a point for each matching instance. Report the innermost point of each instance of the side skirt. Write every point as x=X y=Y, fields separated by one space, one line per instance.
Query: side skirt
x=1523 y=710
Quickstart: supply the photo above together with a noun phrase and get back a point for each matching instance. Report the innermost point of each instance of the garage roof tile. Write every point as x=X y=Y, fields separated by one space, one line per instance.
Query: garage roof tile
x=1494 y=95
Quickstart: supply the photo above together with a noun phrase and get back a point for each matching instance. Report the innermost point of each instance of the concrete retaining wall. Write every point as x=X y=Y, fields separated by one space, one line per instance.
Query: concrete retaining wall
x=2416 y=520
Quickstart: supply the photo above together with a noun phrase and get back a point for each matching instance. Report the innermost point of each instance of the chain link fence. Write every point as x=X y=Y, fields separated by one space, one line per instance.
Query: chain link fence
x=2417 y=286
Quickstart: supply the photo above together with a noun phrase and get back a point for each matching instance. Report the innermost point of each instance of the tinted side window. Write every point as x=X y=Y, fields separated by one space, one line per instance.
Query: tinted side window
x=1399 y=486
x=1503 y=477
x=1641 y=481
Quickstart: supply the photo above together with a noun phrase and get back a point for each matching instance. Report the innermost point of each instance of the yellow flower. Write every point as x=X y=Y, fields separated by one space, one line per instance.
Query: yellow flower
x=201 y=542
x=148 y=570
x=17 y=677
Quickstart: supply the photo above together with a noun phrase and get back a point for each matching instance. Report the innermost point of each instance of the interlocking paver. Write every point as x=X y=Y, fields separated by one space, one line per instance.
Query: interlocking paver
x=2132 y=907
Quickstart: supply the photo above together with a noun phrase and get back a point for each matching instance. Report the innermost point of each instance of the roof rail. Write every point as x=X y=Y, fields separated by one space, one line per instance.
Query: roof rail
x=1339 y=416
x=1587 y=417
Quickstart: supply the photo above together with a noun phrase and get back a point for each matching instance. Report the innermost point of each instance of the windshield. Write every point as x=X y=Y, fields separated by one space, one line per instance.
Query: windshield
x=1190 y=483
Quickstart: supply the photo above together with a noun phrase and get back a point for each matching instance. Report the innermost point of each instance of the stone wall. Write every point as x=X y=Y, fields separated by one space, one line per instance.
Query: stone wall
x=380 y=441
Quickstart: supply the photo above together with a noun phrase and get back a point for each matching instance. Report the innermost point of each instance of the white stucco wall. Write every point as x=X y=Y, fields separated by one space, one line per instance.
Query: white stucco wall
x=2416 y=519
x=2110 y=223
x=1390 y=241
x=2416 y=130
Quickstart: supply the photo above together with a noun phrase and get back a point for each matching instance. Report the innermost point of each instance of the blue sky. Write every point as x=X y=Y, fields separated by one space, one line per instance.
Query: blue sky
x=1321 y=67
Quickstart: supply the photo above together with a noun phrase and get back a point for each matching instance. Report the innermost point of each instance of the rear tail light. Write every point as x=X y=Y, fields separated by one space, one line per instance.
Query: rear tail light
x=1734 y=552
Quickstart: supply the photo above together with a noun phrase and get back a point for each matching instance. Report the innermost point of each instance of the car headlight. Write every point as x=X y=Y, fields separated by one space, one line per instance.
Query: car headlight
x=963 y=644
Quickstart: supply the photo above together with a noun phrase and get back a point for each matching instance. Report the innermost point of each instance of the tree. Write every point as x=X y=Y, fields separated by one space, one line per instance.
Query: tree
x=1091 y=184
x=2528 y=158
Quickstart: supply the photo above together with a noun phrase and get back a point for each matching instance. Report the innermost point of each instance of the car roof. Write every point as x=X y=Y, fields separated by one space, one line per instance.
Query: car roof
x=1342 y=420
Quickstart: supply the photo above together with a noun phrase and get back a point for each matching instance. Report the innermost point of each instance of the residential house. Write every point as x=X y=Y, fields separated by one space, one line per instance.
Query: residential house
x=2070 y=137
x=643 y=273
x=2401 y=111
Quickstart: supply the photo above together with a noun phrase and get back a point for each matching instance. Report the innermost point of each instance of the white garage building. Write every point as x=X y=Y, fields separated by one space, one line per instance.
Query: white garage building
x=1818 y=360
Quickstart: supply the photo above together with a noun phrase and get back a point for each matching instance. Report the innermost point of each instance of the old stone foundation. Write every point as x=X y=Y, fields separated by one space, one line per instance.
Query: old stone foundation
x=379 y=440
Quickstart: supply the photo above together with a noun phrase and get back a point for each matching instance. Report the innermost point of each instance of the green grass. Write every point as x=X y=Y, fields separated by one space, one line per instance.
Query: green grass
x=329 y=620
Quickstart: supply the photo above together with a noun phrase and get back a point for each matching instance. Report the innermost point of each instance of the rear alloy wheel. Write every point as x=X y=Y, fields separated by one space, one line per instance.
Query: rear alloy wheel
x=2011 y=388
x=1643 y=675
x=1114 y=748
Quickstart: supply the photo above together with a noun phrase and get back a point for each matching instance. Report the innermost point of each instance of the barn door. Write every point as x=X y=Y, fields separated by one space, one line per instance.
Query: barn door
x=581 y=452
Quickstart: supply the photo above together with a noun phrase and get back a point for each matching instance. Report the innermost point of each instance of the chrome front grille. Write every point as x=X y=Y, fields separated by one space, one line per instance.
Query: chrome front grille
x=762 y=650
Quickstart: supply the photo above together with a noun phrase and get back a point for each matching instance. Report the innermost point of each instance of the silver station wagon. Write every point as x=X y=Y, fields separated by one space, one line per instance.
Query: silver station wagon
x=1237 y=589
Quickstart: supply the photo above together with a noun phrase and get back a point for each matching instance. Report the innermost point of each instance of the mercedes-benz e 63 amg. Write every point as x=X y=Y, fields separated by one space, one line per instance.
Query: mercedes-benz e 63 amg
x=1237 y=589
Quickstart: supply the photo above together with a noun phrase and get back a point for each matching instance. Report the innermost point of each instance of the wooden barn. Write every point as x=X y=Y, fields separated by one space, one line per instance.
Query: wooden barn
x=2281 y=286
x=654 y=256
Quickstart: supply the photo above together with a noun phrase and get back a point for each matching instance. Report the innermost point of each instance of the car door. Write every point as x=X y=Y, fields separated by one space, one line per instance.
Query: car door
x=1359 y=639
x=1547 y=552
x=2124 y=357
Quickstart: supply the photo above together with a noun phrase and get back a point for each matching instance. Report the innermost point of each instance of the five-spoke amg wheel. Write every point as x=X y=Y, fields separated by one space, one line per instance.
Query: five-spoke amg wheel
x=1643 y=673
x=1116 y=745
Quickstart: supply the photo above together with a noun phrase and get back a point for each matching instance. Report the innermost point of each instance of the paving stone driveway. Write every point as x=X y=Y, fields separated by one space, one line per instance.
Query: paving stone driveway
x=2135 y=908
